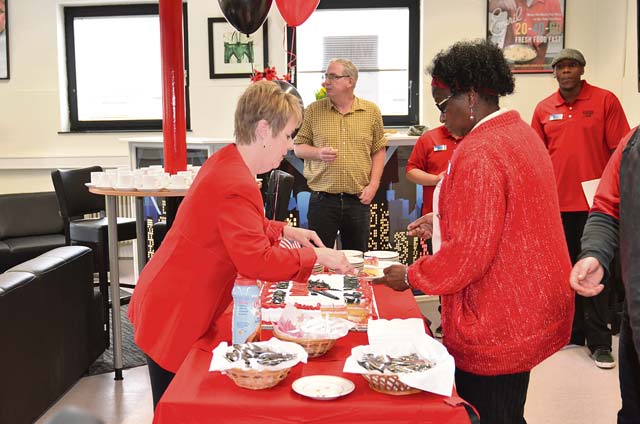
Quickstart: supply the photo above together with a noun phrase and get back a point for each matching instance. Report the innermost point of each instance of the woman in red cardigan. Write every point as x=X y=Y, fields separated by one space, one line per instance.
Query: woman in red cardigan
x=502 y=264
x=220 y=231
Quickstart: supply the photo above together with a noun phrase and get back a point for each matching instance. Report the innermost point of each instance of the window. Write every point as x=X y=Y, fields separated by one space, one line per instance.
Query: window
x=381 y=37
x=114 y=71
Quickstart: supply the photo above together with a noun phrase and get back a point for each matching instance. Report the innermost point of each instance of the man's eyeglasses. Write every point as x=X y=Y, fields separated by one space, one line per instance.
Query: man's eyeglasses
x=333 y=77
x=442 y=104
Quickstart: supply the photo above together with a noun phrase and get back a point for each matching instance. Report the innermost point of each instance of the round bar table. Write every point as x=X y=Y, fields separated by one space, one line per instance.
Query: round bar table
x=112 y=226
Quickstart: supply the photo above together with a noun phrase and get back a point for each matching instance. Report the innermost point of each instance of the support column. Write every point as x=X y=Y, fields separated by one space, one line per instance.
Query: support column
x=173 y=85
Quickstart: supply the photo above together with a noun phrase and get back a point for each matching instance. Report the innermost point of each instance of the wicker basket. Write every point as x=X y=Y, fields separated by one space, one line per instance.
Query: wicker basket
x=257 y=380
x=313 y=347
x=389 y=384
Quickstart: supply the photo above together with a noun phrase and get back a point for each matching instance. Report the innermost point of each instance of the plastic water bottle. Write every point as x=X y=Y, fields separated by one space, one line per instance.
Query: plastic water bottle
x=246 y=311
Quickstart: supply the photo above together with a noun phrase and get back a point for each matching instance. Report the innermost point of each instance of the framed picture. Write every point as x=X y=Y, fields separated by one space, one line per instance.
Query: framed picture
x=4 y=41
x=233 y=54
x=530 y=33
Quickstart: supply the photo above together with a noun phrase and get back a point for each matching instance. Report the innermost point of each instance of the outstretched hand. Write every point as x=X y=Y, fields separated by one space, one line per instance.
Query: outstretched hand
x=421 y=227
x=586 y=277
x=393 y=277
x=333 y=259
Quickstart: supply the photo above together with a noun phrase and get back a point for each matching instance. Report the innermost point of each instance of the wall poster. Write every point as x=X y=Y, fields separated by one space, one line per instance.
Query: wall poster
x=233 y=54
x=529 y=32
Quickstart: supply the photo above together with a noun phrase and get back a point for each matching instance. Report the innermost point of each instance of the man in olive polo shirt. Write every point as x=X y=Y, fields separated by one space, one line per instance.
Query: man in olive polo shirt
x=342 y=143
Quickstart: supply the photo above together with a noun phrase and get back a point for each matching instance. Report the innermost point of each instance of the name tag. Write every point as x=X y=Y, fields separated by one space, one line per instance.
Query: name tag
x=440 y=148
x=556 y=117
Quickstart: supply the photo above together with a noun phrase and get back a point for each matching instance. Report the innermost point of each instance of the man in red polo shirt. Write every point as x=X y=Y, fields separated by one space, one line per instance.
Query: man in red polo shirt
x=581 y=125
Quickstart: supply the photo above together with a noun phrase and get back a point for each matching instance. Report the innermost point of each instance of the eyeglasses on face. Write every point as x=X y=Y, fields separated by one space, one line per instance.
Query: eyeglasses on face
x=333 y=77
x=442 y=104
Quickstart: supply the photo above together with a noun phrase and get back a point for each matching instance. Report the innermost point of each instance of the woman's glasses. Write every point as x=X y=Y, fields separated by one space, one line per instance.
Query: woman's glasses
x=442 y=104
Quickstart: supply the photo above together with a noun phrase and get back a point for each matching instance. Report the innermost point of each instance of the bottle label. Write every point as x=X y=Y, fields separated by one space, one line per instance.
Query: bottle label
x=246 y=314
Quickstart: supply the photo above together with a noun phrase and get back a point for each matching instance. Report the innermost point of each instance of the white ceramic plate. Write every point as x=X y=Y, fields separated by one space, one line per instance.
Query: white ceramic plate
x=352 y=253
x=89 y=184
x=382 y=254
x=323 y=387
x=386 y=264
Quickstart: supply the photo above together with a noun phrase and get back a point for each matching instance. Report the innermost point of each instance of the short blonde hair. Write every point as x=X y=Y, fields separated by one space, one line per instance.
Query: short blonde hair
x=348 y=68
x=264 y=100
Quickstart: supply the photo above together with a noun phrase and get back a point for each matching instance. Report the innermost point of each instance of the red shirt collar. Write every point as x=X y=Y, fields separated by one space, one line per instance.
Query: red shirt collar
x=585 y=94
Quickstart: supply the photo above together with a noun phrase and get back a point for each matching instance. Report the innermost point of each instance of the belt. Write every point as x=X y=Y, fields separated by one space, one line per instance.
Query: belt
x=338 y=195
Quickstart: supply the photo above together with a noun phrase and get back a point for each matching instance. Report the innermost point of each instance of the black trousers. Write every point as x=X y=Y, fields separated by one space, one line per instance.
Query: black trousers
x=591 y=314
x=628 y=373
x=160 y=379
x=498 y=399
x=330 y=213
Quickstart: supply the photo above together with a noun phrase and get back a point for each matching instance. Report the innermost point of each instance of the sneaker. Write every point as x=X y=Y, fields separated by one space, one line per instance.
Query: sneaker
x=603 y=358
x=439 y=332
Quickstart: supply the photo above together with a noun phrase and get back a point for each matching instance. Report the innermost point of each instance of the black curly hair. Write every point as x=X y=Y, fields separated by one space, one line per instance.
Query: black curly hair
x=477 y=65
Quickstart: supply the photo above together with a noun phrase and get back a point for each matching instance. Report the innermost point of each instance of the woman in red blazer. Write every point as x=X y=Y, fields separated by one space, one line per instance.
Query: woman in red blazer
x=220 y=231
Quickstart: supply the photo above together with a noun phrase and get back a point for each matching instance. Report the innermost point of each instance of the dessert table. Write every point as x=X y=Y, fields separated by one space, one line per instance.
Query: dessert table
x=199 y=396
x=112 y=227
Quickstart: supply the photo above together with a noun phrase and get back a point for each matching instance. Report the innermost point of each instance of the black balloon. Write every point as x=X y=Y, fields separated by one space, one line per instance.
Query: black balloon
x=245 y=15
x=288 y=88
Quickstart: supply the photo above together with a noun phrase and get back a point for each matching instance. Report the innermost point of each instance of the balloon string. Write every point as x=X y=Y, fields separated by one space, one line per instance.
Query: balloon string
x=292 y=57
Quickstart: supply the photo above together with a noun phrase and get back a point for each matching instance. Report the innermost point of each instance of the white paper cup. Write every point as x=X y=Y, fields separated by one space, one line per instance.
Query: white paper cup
x=97 y=177
x=151 y=182
x=178 y=181
x=125 y=180
x=188 y=176
x=112 y=175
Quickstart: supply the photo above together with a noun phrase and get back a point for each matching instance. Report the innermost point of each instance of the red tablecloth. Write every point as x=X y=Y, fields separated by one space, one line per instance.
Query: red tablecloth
x=199 y=396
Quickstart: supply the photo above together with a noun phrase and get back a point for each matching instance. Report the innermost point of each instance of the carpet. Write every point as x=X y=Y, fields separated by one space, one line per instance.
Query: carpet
x=132 y=356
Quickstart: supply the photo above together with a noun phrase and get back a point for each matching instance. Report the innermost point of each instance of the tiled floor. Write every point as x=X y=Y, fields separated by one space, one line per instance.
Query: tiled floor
x=567 y=388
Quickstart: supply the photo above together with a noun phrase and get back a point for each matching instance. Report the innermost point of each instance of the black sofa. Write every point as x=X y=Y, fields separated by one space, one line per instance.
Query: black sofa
x=51 y=330
x=30 y=224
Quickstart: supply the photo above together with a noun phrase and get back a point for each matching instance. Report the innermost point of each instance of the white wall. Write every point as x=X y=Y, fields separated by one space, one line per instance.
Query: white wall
x=31 y=143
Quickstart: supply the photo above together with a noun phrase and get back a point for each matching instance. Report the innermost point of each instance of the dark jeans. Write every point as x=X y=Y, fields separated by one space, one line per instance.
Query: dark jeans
x=629 y=374
x=499 y=399
x=591 y=314
x=330 y=213
x=160 y=379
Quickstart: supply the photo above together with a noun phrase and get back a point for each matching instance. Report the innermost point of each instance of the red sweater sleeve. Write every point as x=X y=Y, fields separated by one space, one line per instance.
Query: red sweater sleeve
x=473 y=228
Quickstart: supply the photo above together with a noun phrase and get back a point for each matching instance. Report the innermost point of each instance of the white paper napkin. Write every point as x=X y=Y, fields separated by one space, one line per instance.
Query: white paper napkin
x=403 y=337
x=381 y=331
x=220 y=363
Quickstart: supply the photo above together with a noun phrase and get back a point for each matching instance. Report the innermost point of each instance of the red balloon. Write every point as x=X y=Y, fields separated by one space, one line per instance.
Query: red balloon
x=295 y=12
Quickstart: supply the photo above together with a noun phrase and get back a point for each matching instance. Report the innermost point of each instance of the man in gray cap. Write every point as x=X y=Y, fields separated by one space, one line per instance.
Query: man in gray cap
x=581 y=125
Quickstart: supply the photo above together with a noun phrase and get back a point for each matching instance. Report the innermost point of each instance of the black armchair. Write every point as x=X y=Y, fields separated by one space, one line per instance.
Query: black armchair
x=279 y=188
x=75 y=202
